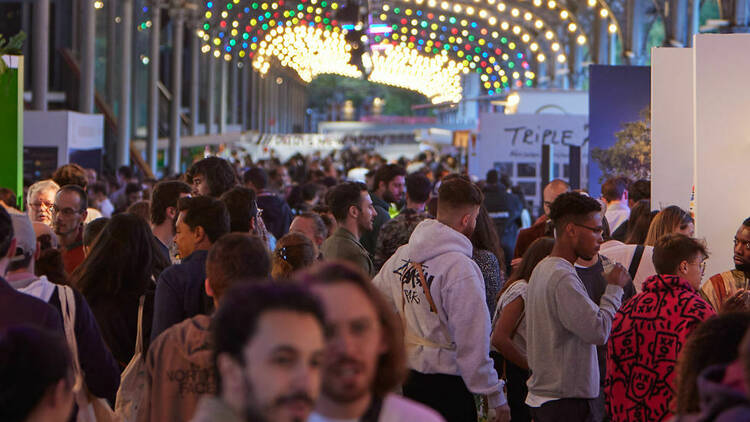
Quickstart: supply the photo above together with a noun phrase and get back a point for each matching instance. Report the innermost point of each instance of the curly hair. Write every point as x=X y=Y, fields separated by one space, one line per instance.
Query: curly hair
x=218 y=174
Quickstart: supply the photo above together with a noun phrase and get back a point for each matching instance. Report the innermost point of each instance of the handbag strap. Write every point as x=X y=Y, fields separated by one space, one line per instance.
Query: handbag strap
x=139 y=330
x=409 y=335
x=636 y=261
x=68 y=308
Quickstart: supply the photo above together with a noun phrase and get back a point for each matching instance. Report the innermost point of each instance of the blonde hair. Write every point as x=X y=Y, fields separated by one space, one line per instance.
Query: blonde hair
x=293 y=252
x=667 y=221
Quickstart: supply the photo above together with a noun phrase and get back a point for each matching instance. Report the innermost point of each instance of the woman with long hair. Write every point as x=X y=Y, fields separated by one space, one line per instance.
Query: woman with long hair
x=488 y=254
x=509 y=332
x=120 y=268
x=640 y=220
x=671 y=219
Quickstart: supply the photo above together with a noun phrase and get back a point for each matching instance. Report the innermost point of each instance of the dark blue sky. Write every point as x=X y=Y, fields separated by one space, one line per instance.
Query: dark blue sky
x=617 y=94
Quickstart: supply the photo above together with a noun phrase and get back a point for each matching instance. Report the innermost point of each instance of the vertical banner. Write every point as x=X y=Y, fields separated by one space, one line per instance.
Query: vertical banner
x=672 y=149
x=619 y=100
x=11 y=125
x=722 y=143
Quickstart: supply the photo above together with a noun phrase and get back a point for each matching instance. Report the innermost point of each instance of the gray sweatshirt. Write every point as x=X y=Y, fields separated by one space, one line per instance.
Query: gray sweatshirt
x=460 y=329
x=563 y=326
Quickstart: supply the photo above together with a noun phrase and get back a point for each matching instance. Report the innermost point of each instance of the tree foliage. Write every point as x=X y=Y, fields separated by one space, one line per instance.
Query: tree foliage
x=630 y=156
x=328 y=89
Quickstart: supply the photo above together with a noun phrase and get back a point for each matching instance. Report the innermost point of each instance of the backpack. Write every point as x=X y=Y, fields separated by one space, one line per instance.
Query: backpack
x=90 y=408
x=133 y=380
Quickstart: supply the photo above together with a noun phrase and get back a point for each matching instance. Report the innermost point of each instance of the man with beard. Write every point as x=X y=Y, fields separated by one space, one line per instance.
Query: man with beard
x=722 y=286
x=439 y=292
x=268 y=349
x=68 y=215
x=352 y=207
x=389 y=188
x=365 y=357
x=164 y=212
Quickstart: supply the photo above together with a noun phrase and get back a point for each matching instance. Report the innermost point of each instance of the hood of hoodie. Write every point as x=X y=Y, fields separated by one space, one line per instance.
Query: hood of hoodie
x=664 y=282
x=432 y=238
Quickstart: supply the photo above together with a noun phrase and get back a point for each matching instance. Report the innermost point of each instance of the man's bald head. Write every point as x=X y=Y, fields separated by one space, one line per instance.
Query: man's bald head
x=554 y=189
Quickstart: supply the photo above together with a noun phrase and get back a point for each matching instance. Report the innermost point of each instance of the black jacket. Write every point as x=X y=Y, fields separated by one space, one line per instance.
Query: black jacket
x=505 y=210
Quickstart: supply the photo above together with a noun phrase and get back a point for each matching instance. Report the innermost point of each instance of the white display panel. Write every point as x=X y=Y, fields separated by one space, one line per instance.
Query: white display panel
x=672 y=149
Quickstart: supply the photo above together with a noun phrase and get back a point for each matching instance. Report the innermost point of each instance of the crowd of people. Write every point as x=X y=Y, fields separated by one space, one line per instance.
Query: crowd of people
x=349 y=288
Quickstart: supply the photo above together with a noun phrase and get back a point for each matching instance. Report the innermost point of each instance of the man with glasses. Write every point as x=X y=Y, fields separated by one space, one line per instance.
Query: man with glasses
x=722 y=286
x=650 y=330
x=562 y=322
x=40 y=199
x=68 y=216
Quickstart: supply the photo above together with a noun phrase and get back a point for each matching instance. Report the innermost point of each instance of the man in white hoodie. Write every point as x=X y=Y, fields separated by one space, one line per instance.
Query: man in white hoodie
x=439 y=293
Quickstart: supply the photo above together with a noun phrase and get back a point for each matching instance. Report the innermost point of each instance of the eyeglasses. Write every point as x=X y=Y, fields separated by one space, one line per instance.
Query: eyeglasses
x=745 y=243
x=38 y=205
x=701 y=264
x=66 y=212
x=595 y=230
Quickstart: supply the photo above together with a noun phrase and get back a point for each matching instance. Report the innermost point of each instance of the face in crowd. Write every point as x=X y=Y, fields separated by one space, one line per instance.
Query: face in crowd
x=68 y=213
x=355 y=341
x=588 y=235
x=40 y=206
x=279 y=376
x=395 y=190
x=742 y=249
x=366 y=213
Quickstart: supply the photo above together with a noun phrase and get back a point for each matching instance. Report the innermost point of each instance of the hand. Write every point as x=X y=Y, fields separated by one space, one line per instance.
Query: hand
x=738 y=302
x=515 y=263
x=618 y=276
x=502 y=413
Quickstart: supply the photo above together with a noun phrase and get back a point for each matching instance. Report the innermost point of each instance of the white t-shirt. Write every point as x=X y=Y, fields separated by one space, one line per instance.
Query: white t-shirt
x=395 y=409
x=518 y=288
x=623 y=254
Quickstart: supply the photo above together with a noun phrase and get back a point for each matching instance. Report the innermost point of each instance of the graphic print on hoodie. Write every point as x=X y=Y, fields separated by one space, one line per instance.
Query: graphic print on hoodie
x=180 y=371
x=452 y=338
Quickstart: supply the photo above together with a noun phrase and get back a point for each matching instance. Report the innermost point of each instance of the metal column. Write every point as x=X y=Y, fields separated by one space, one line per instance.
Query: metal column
x=600 y=40
x=244 y=96
x=40 y=78
x=677 y=21
x=126 y=56
x=612 y=48
x=695 y=17
x=195 y=80
x=111 y=52
x=174 y=107
x=152 y=138
x=223 y=96
x=234 y=93
x=88 y=38
x=210 y=100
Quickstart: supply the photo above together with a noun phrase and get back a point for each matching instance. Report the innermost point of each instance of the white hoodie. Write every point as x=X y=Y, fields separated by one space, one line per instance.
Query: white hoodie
x=462 y=324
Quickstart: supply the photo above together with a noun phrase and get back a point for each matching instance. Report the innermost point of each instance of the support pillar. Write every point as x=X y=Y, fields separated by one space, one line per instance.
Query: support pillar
x=40 y=79
x=223 y=79
x=612 y=38
x=600 y=40
x=195 y=81
x=178 y=26
x=210 y=100
x=634 y=41
x=112 y=52
x=152 y=137
x=677 y=21
x=234 y=93
x=88 y=38
x=126 y=79
x=244 y=96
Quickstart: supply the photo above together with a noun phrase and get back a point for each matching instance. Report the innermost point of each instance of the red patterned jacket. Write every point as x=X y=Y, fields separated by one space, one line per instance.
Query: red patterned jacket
x=647 y=335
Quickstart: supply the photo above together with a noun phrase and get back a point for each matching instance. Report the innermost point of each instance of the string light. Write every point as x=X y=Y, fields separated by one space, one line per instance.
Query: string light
x=436 y=77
